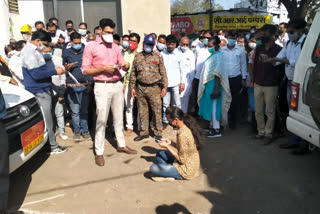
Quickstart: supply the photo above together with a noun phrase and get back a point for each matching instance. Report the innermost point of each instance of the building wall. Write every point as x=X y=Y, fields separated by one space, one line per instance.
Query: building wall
x=4 y=27
x=144 y=17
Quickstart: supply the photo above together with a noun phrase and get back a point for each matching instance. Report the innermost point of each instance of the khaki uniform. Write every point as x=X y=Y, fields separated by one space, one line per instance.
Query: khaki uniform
x=149 y=77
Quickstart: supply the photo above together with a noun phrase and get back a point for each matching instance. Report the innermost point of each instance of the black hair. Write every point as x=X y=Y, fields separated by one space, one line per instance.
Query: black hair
x=171 y=39
x=50 y=24
x=96 y=28
x=53 y=19
x=83 y=23
x=38 y=23
x=272 y=29
x=241 y=35
x=69 y=22
x=285 y=25
x=253 y=27
x=208 y=31
x=135 y=35
x=75 y=35
x=162 y=36
x=175 y=112
x=297 y=23
x=125 y=36
x=19 y=44
x=107 y=23
x=42 y=35
x=155 y=35
x=232 y=33
x=217 y=41
x=116 y=37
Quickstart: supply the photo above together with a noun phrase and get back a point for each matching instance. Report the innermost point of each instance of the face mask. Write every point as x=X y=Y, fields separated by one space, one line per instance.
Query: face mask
x=107 y=38
x=125 y=44
x=47 y=56
x=252 y=31
x=293 y=36
x=205 y=41
x=82 y=32
x=252 y=45
x=69 y=29
x=52 y=34
x=97 y=36
x=280 y=32
x=40 y=47
x=161 y=46
x=183 y=49
x=265 y=39
x=193 y=49
x=232 y=42
x=147 y=48
x=26 y=37
x=133 y=46
x=170 y=49
x=76 y=46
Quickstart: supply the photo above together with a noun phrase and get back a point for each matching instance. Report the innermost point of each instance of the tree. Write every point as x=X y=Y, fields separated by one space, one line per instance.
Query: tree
x=297 y=8
x=192 y=6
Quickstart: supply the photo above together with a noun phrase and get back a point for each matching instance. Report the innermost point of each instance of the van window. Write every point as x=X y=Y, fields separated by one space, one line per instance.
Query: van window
x=316 y=52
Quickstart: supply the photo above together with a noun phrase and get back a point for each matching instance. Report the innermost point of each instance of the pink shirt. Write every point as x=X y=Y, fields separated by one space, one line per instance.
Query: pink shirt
x=98 y=54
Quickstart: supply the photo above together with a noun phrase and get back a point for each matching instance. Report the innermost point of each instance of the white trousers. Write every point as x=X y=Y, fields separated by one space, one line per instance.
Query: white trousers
x=108 y=95
x=214 y=122
x=128 y=101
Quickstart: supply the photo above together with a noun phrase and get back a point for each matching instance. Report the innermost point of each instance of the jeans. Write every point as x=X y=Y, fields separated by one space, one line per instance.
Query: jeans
x=172 y=98
x=59 y=112
x=4 y=168
x=289 y=91
x=45 y=101
x=164 y=167
x=79 y=104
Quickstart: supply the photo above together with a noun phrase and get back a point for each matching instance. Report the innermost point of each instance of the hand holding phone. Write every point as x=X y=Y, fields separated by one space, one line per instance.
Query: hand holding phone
x=157 y=139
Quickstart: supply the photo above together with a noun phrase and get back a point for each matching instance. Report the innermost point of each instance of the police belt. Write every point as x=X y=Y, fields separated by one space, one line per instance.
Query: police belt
x=148 y=85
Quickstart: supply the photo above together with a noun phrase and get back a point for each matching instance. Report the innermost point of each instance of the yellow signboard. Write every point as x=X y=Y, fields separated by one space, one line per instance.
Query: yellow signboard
x=239 y=22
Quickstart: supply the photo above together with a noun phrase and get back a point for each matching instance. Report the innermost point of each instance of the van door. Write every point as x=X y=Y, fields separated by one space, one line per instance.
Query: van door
x=311 y=96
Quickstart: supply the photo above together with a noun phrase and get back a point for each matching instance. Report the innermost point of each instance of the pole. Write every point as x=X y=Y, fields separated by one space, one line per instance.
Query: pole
x=82 y=10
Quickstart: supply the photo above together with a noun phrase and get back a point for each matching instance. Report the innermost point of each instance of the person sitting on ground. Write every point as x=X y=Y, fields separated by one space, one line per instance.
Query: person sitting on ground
x=185 y=163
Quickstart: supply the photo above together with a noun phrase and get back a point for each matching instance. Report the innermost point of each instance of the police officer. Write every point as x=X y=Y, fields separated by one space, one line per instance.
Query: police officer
x=149 y=83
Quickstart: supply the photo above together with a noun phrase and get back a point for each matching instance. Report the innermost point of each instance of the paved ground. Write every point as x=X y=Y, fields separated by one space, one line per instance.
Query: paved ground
x=238 y=176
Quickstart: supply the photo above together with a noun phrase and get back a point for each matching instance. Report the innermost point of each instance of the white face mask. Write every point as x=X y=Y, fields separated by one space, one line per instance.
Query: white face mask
x=252 y=45
x=183 y=49
x=26 y=37
x=107 y=38
x=82 y=32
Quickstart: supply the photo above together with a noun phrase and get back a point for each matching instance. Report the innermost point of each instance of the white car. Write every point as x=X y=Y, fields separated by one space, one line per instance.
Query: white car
x=304 y=116
x=24 y=124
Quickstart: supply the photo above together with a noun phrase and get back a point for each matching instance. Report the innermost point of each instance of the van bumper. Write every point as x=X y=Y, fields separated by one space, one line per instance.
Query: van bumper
x=304 y=131
x=18 y=158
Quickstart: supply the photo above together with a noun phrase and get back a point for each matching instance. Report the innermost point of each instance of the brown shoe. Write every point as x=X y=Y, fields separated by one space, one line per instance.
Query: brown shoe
x=99 y=160
x=128 y=132
x=127 y=150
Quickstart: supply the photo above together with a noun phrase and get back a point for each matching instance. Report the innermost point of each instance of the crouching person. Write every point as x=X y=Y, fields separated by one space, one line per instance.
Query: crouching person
x=185 y=163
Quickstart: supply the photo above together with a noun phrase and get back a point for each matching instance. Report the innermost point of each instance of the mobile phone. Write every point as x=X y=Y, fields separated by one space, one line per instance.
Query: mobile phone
x=157 y=139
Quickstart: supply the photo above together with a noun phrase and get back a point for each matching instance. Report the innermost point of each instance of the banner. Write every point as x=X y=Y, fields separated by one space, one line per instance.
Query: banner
x=239 y=22
x=192 y=24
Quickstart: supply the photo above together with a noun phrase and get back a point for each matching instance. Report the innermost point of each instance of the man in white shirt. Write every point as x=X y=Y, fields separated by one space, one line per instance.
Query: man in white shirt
x=289 y=56
x=235 y=63
x=283 y=36
x=201 y=54
x=15 y=63
x=173 y=62
x=189 y=66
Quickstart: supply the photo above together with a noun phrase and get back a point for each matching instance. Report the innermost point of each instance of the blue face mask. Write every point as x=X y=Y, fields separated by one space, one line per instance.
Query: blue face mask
x=47 y=56
x=148 y=48
x=205 y=41
x=76 y=46
x=232 y=42
x=161 y=46
x=125 y=44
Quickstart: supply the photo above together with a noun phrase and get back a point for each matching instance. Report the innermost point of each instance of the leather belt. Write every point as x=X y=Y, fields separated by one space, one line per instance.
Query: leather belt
x=100 y=81
x=148 y=85
x=77 y=85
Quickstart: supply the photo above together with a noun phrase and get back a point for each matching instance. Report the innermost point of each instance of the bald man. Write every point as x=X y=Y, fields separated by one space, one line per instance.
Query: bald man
x=189 y=65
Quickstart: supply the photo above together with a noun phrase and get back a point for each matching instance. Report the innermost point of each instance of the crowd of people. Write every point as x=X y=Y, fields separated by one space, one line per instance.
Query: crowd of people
x=224 y=78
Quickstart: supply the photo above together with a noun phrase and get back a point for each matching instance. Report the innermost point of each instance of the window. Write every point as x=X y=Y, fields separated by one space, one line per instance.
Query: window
x=13 y=6
x=316 y=52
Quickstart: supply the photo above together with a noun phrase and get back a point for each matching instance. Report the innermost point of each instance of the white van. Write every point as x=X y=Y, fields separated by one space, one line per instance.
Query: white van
x=24 y=124
x=304 y=116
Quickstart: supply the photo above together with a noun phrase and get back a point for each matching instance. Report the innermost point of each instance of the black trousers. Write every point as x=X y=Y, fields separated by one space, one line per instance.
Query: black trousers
x=4 y=168
x=193 y=107
x=235 y=88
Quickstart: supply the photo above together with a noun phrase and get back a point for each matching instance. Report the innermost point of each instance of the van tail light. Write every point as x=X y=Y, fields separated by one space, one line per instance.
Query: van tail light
x=294 y=98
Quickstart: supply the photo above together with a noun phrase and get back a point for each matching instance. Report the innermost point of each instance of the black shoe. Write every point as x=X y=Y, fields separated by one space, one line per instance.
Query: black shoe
x=300 y=151
x=76 y=136
x=288 y=146
x=214 y=134
x=158 y=137
x=267 y=140
x=142 y=137
x=165 y=125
